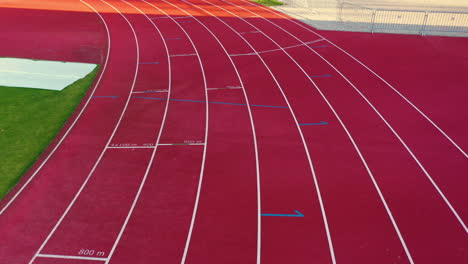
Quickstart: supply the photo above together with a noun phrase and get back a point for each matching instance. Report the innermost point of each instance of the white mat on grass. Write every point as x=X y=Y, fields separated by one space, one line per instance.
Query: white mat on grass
x=51 y=75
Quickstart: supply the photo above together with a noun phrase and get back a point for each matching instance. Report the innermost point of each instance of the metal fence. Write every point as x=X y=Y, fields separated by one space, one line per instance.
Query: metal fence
x=360 y=18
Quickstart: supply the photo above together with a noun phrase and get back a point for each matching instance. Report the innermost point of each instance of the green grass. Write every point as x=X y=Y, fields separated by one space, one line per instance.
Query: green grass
x=29 y=121
x=269 y=2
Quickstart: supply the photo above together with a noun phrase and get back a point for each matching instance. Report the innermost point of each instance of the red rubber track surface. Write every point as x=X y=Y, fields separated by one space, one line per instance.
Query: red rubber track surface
x=239 y=135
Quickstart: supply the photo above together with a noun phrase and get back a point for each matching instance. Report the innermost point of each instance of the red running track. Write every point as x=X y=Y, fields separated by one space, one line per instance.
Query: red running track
x=239 y=135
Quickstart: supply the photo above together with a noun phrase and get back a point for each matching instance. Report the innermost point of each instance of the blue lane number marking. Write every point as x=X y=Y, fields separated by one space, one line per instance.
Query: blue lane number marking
x=298 y=214
x=314 y=124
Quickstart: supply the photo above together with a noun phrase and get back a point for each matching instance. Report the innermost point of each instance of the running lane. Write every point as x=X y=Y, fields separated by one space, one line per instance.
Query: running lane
x=427 y=198
x=26 y=224
x=338 y=167
x=174 y=186
x=94 y=218
x=444 y=160
x=286 y=180
x=230 y=170
x=158 y=226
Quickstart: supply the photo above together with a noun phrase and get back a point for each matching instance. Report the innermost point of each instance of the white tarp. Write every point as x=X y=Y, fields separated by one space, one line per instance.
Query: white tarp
x=51 y=75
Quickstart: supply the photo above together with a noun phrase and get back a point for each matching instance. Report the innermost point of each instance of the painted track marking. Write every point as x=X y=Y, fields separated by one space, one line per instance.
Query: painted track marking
x=320 y=76
x=418 y=162
x=163 y=122
x=105 y=96
x=182 y=144
x=184 y=55
x=306 y=149
x=107 y=144
x=280 y=49
x=154 y=62
x=206 y=125
x=374 y=73
x=297 y=214
x=196 y=101
x=69 y=128
x=313 y=124
x=387 y=208
x=255 y=145
x=70 y=257
x=134 y=147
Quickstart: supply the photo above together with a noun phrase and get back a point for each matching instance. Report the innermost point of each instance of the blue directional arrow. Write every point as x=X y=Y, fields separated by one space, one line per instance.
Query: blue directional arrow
x=313 y=124
x=154 y=62
x=298 y=214
x=105 y=96
x=319 y=76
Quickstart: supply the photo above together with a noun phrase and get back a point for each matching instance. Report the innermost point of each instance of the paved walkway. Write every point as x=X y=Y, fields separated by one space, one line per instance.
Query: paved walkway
x=325 y=14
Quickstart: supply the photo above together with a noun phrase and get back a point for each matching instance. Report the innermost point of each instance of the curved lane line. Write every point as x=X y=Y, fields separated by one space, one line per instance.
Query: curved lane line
x=150 y=163
x=74 y=121
x=202 y=171
x=306 y=149
x=420 y=165
x=252 y=124
x=107 y=144
x=370 y=173
x=377 y=75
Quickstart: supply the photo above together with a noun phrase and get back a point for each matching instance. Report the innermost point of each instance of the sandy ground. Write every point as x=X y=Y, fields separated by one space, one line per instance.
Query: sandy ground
x=325 y=14
x=438 y=5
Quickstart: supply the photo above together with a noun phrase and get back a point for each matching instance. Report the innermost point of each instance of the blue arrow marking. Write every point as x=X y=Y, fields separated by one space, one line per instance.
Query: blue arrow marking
x=318 y=76
x=298 y=214
x=313 y=124
x=155 y=62
x=110 y=96
x=172 y=38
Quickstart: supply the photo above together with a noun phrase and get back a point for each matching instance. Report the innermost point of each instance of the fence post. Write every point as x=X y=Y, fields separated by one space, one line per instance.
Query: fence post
x=423 y=27
x=373 y=20
x=340 y=12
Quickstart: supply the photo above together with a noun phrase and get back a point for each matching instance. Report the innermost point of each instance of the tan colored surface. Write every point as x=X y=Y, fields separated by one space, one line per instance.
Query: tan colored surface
x=438 y=5
x=325 y=14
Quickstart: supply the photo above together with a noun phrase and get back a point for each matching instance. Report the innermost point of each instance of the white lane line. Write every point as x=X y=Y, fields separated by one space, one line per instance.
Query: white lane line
x=206 y=126
x=184 y=55
x=163 y=122
x=306 y=149
x=71 y=126
x=418 y=162
x=290 y=47
x=70 y=257
x=463 y=152
x=254 y=134
x=182 y=144
x=134 y=147
x=371 y=175
x=244 y=54
x=280 y=49
x=107 y=144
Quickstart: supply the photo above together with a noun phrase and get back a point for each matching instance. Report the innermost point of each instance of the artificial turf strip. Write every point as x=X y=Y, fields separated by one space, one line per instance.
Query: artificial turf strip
x=268 y=2
x=29 y=121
